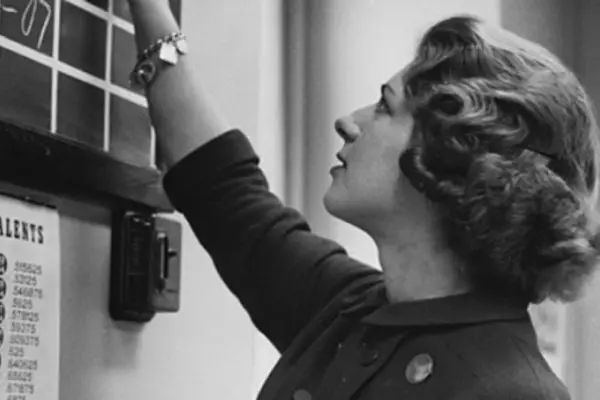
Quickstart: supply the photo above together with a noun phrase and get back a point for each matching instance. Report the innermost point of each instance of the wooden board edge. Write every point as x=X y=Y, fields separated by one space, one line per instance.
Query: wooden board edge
x=42 y=161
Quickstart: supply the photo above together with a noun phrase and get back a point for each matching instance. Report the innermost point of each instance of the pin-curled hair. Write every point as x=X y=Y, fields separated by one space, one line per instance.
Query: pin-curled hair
x=506 y=145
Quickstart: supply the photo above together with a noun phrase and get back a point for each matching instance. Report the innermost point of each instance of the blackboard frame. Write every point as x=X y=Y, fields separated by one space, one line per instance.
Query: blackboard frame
x=45 y=162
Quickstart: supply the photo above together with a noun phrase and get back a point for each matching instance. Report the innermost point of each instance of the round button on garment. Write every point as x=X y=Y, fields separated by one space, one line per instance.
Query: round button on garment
x=419 y=368
x=301 y=394
x=368 y=356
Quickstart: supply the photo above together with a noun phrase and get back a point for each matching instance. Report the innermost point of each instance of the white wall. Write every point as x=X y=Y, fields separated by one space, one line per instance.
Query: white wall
x=237 y=45
x=584 y=317
x=270 y=145
x=209 y=350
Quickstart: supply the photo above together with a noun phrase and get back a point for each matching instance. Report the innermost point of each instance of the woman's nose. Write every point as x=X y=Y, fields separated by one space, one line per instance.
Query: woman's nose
x=347 y=129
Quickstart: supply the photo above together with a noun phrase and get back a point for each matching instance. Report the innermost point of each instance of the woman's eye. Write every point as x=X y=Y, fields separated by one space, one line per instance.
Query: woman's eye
x=382 y=106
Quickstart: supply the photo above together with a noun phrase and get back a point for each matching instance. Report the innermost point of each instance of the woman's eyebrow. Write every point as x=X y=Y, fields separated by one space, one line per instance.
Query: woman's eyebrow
x=385 y=87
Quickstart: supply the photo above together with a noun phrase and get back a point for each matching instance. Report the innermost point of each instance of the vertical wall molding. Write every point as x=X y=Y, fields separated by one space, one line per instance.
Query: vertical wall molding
x=295 y=59
x=583 y=323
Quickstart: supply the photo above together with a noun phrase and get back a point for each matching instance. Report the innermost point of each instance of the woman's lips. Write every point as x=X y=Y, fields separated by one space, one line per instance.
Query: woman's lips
x=336 y=168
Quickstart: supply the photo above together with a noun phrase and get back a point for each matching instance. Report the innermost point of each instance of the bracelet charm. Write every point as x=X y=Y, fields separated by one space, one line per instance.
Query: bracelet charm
x=163 y=53
x=168 y=53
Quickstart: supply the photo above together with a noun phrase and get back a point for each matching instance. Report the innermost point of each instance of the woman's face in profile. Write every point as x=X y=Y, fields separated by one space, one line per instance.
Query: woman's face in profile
x=366 y=184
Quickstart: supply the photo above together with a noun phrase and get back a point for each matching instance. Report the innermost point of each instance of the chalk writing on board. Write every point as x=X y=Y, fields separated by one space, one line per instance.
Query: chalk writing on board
x=6 y=9
x=33 y=10
x=29 y=16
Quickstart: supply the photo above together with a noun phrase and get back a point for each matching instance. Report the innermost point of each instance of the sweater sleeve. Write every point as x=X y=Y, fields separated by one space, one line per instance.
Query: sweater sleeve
x=266 y=254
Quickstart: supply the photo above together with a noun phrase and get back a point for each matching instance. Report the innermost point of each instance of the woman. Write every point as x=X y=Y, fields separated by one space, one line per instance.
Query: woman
x=475 y=174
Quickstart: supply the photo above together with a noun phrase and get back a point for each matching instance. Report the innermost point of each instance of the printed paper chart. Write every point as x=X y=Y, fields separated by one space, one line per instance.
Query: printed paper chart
x=29 y=301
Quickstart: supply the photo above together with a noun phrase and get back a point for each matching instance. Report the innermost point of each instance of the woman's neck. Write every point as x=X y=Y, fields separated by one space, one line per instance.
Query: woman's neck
x=419 y=270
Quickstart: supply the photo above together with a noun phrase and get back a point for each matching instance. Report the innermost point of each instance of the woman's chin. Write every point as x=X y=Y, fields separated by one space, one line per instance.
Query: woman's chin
x=334 y=203
x=330 y=202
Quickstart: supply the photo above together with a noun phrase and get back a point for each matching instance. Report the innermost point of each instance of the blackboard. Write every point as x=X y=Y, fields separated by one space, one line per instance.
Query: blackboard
x=64 y=67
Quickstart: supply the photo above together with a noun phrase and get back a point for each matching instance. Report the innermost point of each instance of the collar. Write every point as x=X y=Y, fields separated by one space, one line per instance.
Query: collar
x=469 y=308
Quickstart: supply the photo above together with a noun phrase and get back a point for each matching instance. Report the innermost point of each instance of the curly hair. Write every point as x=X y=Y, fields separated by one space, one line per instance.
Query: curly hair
x=505 y=144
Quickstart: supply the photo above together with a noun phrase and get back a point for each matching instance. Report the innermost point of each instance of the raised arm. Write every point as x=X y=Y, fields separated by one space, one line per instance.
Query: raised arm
x=182 y=112
x=281 y=272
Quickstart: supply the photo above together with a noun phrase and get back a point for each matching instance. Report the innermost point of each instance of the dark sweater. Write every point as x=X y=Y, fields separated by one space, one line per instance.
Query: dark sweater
x=327 y=313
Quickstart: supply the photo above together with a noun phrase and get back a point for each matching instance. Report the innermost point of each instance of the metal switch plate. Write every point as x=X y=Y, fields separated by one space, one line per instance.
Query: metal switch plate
x=146 y=267
x=165 y=296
